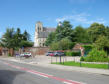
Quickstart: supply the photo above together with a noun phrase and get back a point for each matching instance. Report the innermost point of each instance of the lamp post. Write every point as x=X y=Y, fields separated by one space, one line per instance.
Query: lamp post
x=60 y=25
x=107 y=60
x=80 y=55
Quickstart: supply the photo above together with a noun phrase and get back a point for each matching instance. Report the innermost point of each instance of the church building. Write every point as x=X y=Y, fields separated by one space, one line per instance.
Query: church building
x=41 y=34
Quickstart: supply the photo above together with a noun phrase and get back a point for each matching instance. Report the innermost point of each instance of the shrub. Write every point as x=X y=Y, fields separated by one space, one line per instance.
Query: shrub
x=97 y=56
x=72 y=53
x=68 y=53
x=82 y=58
x=87 y=48
x=76 y=53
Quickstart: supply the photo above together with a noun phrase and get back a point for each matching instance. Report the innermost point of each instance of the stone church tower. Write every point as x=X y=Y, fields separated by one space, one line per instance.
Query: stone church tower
x=41 y=33
x=38 y=28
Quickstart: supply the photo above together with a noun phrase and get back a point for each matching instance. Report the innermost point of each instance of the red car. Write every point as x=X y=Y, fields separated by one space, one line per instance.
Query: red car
x=51 y=54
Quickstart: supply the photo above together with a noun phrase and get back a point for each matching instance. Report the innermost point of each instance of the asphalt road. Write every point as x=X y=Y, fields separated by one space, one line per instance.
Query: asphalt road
x=17 y=73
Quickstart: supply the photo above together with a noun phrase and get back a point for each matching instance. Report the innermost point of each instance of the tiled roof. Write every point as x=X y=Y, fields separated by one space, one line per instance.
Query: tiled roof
x=43 y=34
x=49 y=29
x=46 y=32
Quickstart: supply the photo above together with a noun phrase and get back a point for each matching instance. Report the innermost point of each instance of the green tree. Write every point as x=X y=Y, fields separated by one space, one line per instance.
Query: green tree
x=50 y=38
x=26 y=36
x=15 y=40
x=107 y=32
x=18 y=38
x=81 y=35
x=66 y=44
x=54 y=46
x=95 y=30
x=8 y=39
x=64 y=31
x=26 y=44
x=102 y=43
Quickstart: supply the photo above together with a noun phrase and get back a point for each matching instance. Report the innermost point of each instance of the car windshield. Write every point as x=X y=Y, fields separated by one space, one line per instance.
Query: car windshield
x=50 y=52
x=26 y=53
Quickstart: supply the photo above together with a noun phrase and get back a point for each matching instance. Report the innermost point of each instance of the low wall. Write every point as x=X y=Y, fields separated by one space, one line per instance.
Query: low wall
x=37 y=50
x=0 y=51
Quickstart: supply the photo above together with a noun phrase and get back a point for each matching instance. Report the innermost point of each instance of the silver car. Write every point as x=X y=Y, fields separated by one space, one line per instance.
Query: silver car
x=48 y=53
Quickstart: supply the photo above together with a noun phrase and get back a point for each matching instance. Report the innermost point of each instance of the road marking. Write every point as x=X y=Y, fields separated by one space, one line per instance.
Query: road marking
x=37 y=74
x=78 y=82
x=67 y=83
x=43 y=74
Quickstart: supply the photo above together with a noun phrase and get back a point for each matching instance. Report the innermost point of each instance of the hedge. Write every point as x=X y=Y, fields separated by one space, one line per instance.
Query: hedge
x=73 y=53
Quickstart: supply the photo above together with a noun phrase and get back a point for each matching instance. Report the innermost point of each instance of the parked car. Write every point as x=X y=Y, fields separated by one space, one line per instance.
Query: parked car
x=51 y=54
x=26 y=54
x=57 y=53
x=22 y=55
x=48 y=53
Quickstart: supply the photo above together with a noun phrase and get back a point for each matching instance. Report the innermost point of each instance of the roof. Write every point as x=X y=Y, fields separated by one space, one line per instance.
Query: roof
x=43 y=34
x=49 y=29
x=46 y=32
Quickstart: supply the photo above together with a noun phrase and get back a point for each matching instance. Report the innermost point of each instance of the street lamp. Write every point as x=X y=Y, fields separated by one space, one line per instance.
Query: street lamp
x=108 y=60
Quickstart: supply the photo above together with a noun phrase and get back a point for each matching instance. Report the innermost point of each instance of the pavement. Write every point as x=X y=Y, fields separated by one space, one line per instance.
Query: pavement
x=45 y=61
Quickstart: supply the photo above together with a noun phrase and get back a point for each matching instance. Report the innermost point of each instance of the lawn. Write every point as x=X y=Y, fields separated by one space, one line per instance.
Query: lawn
x=72 y=63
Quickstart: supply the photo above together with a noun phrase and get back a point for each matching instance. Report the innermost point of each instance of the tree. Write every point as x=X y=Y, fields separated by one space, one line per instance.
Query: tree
x=64 y=31
x=66 y=44
x=18 y=38
x=15 y=40
x=81 y=35
x=8 y=39
x=50 y=38
x=102 y=43
x=26 y=44
x=95 y=30
x=107 y=31
x=54 y=46
x=26 y=36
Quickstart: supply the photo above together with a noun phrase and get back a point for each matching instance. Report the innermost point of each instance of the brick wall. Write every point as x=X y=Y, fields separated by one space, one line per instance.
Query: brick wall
x=0 y=51
x=36 y=50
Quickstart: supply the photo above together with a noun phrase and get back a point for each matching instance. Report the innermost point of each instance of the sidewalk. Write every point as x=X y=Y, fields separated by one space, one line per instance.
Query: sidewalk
x=61 y=67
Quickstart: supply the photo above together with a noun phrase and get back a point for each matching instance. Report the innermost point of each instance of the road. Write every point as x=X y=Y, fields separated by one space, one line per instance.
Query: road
x=17 y=73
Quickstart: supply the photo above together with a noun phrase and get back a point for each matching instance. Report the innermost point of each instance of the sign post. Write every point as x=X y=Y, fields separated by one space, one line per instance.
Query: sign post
x=81 y=55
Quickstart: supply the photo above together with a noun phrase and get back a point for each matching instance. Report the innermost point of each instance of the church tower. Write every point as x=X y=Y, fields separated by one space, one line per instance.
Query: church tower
x=38 y=29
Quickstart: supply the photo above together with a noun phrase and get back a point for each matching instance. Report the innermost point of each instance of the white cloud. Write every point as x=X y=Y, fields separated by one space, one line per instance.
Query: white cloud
x=80 y=18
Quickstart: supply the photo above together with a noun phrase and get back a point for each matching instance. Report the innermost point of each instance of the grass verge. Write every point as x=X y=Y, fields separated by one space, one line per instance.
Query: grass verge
x=72 y=63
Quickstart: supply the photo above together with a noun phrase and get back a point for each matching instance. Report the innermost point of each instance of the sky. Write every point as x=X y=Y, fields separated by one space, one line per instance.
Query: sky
x=24 y=14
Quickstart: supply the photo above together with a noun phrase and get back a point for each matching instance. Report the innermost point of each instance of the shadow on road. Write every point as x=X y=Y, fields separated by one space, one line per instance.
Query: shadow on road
x=7 y=76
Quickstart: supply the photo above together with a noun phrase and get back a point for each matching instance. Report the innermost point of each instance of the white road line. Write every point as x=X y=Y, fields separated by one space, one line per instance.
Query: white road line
x=67 y=83
x=77 y=81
